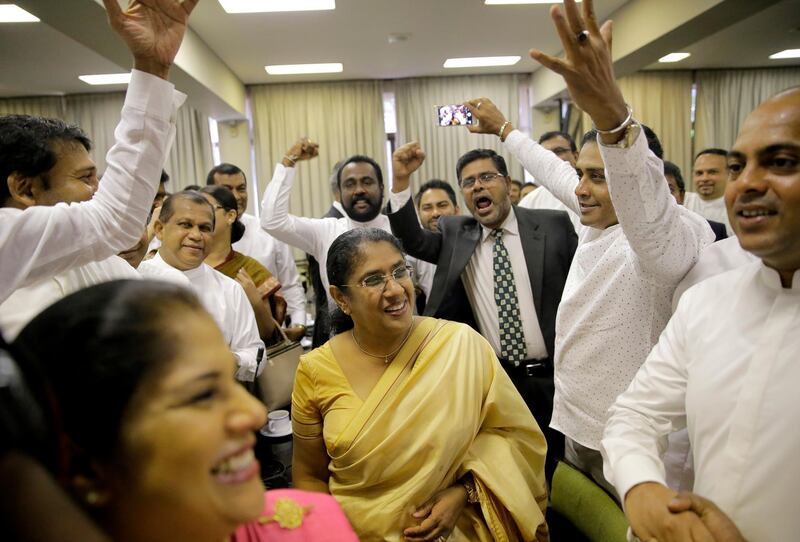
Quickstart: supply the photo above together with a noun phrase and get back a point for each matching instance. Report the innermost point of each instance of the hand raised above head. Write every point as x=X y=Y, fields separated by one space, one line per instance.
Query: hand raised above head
x=490 y=119
x=587 y=69
x=405 y=160
x=152 y=29
x=302 y=149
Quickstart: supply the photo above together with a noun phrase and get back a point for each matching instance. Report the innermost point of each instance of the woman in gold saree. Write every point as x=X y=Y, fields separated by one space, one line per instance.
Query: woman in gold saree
x=410 y=422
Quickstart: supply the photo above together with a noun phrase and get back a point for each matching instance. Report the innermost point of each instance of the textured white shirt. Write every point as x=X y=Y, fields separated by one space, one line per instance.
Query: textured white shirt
x=41 y=241
x=727 y=368
x=225 y=300
x=311 y=235
x=27 y=302
x=478 y=279
x=618 y=293
x=541 y=198
x=713 y=209
x=277 y=258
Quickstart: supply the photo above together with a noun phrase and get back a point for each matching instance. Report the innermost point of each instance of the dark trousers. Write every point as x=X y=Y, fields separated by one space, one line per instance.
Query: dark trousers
x=534 y=382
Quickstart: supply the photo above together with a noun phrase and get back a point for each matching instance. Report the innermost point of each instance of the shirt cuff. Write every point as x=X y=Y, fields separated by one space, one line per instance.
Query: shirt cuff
x=398 y=199
x=632 y=470
x=246 y=371
x=155 y=96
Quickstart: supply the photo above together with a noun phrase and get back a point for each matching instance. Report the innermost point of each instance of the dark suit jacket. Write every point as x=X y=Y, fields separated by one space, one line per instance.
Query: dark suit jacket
x=719 y=230
x=548 y=242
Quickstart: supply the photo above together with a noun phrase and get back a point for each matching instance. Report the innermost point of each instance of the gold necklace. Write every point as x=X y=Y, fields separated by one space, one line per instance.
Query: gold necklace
x=389 y=355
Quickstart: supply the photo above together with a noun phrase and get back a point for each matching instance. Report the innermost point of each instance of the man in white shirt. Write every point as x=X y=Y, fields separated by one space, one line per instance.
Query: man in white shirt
x=184 y=227
x=562 y=145
x=274 y=255
x=637 y=243
x=726 y=366
x=709 y=174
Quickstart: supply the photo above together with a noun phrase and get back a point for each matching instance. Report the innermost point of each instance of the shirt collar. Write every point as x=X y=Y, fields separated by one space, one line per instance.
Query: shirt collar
x=509 y=226
x=772 y=280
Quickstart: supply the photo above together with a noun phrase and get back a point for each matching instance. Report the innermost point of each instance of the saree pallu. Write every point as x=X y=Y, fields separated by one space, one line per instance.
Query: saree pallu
x=266 y=283
x=428 y=422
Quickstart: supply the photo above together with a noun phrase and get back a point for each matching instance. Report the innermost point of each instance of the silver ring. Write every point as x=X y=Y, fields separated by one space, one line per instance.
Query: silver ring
x=479 y=105
x=583 y=36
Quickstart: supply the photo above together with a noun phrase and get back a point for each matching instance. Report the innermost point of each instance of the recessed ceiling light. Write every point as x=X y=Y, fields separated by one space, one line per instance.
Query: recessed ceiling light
x=10 y=13
x=480 y=61
x=515 y=2
x=106 y=79
x=264 y=6
x=297 y=69
x=788 y=53
x=674 y=57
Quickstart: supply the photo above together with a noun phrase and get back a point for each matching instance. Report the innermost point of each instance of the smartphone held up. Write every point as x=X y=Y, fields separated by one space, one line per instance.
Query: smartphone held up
x=454 y=115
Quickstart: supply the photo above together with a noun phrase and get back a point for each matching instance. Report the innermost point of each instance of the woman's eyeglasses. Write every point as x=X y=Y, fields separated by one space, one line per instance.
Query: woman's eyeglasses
x=379 y=282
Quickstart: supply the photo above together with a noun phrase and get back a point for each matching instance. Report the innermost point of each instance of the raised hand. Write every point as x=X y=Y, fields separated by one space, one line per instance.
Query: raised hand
x=405 y=160
x=587 y=69
x=490 y=119
x=302 y=149
x=152 y=29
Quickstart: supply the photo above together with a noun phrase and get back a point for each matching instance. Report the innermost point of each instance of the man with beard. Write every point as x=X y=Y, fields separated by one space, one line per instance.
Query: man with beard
x=360 y=181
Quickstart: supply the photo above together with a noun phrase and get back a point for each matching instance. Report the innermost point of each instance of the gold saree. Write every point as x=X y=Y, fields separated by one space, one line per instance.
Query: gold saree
x=429 y=420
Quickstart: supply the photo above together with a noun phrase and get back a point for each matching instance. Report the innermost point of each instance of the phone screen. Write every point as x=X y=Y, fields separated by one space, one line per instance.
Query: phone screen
x=453 y=115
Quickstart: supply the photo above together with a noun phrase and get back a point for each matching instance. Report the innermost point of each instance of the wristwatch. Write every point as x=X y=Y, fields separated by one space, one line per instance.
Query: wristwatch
x=632 y=131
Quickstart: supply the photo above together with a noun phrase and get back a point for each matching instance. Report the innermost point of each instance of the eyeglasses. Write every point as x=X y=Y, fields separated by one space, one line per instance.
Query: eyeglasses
x=484 y=178
x=379 y=282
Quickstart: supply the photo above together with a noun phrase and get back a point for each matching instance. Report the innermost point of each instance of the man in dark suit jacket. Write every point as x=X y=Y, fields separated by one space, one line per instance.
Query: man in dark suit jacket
x=464 y=272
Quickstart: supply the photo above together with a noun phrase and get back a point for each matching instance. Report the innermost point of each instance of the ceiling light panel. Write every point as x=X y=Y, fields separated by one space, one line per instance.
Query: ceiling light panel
x=298 y=69
x=674 y=57
x=481 y=61
x=267 y=6
x=106 y=79
x=10 y=13
x=520 y=2
x=788 y=53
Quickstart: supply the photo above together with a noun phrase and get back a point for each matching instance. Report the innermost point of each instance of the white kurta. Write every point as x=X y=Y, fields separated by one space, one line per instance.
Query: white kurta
x=27 y=302
x=726 y=367
x=713 y=209
x=40 y=241
x=617 y=296
x=225 y=300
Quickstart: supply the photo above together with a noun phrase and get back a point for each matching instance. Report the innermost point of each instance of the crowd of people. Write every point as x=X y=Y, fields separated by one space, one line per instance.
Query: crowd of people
x=603 y=316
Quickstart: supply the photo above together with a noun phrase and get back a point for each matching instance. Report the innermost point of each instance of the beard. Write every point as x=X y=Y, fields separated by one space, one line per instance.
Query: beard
x=363 y=214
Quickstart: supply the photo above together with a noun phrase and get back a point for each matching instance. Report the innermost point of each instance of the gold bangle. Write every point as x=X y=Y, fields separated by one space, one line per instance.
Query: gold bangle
x=503 y=129
x=293 y=158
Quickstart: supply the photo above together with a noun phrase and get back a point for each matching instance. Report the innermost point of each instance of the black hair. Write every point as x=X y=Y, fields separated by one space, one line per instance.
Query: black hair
x=192 y=188
x=479 y=154
x=97 y=346
x=436 y=184
x=344 y=255
x=713 y=150
x=359 y=158
x=516 y=182
x=27 y=146
x=164 y=177
x=168 y=207
x=652 y=140
x=672 y=170
x=224 y=169
x=228 y=202
x=555 y=133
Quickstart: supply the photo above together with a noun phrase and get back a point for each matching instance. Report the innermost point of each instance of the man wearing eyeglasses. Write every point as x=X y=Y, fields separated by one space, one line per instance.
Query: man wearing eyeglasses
x=501 y=270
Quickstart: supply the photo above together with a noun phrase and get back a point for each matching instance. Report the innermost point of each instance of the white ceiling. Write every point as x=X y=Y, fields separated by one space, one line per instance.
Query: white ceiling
x=35 y=59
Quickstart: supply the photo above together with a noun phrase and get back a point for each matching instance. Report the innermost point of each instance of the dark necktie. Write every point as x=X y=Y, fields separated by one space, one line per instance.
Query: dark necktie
x=512 y=339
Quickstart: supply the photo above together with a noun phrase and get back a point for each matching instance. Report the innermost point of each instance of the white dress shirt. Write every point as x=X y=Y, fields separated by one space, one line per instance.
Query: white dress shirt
x=726 y=367
x=277 y=258
x=225 y=300
x=311 y=235
x=478 y=279
x=617 y=296
x=41 y=241
x=541 y=198
x=713 y=209
x=27 y=302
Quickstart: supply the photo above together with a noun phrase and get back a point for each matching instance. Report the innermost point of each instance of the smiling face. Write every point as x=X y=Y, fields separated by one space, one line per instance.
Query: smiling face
x=187 y=442
x=763 y=192
x=72 y=179
x=434 y=203
x=186 y=236
x=238 y=185
x=488 y=201
x=361 y=193
x=709 y=174
x=597 y=210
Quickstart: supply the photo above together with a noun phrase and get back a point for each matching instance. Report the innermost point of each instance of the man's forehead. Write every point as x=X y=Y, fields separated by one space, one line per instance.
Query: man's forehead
x=190 y=210
x=590 y=157
x=72 y=153
x=772 y=123
x=556 y=141
x=710 y=160
x=358 y=170
x=234 y=179
x=481 y=165
x=434 y=195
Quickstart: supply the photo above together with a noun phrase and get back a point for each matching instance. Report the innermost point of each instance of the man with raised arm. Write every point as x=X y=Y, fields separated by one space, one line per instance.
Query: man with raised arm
x=37 y=241
x=638 y=245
